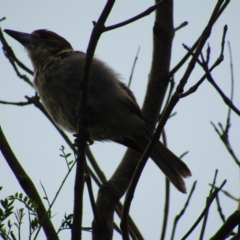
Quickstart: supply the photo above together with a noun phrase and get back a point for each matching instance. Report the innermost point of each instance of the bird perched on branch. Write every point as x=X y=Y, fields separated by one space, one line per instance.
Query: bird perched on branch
x=113 y=113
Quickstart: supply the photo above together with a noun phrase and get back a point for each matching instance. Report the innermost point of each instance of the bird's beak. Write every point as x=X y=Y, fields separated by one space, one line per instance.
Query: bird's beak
x=23 y=38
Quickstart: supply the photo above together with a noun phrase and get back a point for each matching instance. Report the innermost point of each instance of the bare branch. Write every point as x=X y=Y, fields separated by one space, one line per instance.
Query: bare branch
x=212 y=197
x=227 y=126
x=185 y=23
x=175 y=98
x=8 y=52
x=167 y=196
x=133 y=67
x=133 y=19
x=228 y=227
x=28 y=187
x=224 y=97
x=219 y=208
x=177 y=218
x=208 y=54
x=2 y=19
x=15 y=103
x=90 y=193
x=224 y=137
x=206 y=213
x=184 y=59
x=216 y=63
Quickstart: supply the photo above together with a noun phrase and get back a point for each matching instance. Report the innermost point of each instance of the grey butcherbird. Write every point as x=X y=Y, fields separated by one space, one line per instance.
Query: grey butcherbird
x=113 y=113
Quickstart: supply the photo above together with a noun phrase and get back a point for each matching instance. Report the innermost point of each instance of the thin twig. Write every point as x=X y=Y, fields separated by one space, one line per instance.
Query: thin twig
x=133 y=230
x=133 y=67
x=227 y=144
x=183 y=24
x=167 y=196
x=227 y=101
x=15 y=103
x=171 y=87
x=35 y=101
x=224 y=97
x=13 y=59
x=226 y=193
x=133 y=19
x=94 y=177
x=215 y=64
x=184 y=59
x=2 y=19
x=206 y=214
x=45 y=192
x=211 y=198
x=177 y=218
x=227 y=126
x=219 y=208
x=95 y=165
x=208 y=54
x=90 y=193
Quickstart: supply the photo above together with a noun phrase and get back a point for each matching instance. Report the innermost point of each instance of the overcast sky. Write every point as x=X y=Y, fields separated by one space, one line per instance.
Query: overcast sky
x=36 y=143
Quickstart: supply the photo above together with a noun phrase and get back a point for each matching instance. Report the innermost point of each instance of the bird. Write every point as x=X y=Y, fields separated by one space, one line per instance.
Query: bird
x=112 y=111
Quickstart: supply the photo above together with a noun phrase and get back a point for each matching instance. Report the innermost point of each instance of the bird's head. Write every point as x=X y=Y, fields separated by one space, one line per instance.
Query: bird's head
x=41 y=44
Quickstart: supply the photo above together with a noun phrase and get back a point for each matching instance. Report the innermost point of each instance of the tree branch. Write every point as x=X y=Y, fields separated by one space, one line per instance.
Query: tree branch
x=211 y=198
x=28 y=187
x=228 y=227
x=175 y=98
x=82 y=137
x=177 y=218
x=133 y=19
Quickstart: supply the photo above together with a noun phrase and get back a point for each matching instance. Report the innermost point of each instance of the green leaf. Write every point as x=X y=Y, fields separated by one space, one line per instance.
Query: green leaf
x=1 y=212
x=34 y=206
x=9 y=223
x=21 y=196
x=70 y=162
x=3 y=204
x=6 y=202
x=25 y=199
x=29 y=201
x=13 y=236
x=10 y=203
x=11 y=197
x=67 y=155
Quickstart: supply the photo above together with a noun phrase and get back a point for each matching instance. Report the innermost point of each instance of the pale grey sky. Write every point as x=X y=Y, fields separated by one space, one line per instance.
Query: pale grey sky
x=36 y=143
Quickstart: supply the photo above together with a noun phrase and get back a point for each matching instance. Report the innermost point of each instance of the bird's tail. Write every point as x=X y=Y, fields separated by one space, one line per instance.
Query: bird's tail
x=172 y=166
